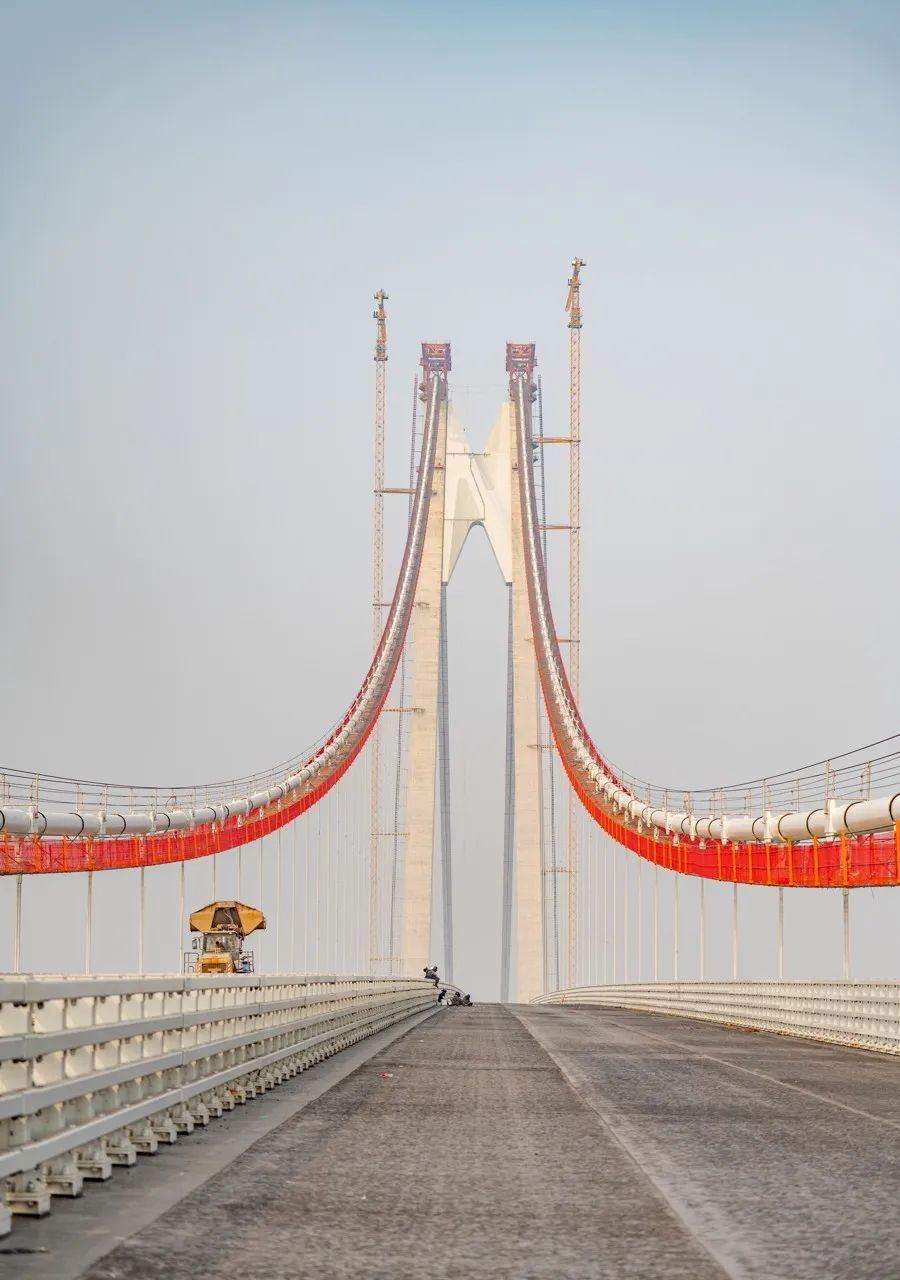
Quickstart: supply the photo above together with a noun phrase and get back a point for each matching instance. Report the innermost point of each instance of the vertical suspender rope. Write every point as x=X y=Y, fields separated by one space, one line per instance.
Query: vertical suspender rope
x=626 y=908
x=444 y=775
x=278 y=852
x=656 y=922
x=88 y=922
x=181 y=866
x=293 y=947
x=675 y=939
x=17 y=940
x=262 y=898
x=142 y=919
x=509 y=817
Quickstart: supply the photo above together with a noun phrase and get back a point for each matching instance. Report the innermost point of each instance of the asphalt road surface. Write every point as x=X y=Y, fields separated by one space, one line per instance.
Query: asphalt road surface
x=555 y=1143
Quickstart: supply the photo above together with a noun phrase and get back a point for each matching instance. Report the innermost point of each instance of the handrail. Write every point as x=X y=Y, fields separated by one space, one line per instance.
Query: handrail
x=95 y=1071
x=865 y=1015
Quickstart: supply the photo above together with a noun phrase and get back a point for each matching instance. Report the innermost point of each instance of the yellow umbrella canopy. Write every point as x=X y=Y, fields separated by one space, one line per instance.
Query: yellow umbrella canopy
x=232 y=916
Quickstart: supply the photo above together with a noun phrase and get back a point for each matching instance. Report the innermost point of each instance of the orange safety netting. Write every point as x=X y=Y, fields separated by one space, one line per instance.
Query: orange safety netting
x=845 y=861
x=30 y=854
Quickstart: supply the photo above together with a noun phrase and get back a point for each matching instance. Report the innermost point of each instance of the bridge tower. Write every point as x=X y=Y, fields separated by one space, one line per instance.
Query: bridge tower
x=527 y=766
x=416 y=896
x=475 y=489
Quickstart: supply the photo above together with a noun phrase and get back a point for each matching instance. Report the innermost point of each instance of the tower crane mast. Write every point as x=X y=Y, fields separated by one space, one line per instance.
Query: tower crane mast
x=573 y=308
x=380 y=358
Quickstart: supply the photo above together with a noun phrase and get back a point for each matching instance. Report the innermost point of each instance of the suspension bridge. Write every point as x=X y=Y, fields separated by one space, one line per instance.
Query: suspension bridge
x=598 y=1121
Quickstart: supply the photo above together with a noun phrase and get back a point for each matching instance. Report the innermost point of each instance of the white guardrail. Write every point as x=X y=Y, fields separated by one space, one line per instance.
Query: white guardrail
x=95 y=1071
x=865 y=1015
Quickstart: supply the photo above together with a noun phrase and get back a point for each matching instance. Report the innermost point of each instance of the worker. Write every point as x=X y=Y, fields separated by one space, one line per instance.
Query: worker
x=441 y=995
x=467 y=1000
x=455 y=999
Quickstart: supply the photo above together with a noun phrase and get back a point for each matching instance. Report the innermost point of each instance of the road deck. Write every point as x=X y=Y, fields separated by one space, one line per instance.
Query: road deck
x=570 y=1144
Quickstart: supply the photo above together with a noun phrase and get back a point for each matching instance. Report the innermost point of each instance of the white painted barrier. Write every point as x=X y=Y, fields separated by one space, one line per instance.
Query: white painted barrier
x=865 y=1015
x=95 y=1071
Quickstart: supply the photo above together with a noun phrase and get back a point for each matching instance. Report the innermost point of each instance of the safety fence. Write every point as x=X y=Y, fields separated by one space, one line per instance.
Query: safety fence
x=865 y=1015
x=97 y=1071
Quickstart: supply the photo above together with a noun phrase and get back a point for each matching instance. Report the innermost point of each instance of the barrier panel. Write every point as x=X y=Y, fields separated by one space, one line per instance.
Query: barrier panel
x=96 y=1071
x=865 y=1015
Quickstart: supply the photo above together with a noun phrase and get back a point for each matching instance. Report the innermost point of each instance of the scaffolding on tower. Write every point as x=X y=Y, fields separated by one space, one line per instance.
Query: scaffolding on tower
x=573 y=307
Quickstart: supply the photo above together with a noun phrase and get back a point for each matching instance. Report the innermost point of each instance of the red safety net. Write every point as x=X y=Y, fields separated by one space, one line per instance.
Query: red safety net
x=30 y=854
x=843 y=861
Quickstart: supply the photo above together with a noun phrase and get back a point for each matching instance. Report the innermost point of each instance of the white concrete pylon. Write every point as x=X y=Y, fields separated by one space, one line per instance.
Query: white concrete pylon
x=415 y=930
x=474 y=489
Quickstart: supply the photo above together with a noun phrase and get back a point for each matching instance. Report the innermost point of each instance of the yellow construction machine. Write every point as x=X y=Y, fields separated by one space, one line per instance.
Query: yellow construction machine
x=224 y=926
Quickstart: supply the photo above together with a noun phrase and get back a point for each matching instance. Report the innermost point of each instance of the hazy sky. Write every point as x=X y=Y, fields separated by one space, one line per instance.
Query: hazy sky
x=198 y=202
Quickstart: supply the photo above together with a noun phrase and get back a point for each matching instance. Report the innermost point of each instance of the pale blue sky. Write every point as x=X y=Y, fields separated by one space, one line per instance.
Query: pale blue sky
x=199 y=201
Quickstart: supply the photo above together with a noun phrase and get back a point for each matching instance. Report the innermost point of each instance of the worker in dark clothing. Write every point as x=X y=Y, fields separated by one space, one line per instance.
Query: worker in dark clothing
x=467 y=1001
x=441 y=995
x=455 y=999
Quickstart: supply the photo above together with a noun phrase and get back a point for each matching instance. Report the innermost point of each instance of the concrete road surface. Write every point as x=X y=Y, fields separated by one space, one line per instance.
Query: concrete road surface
x=553 y=1143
